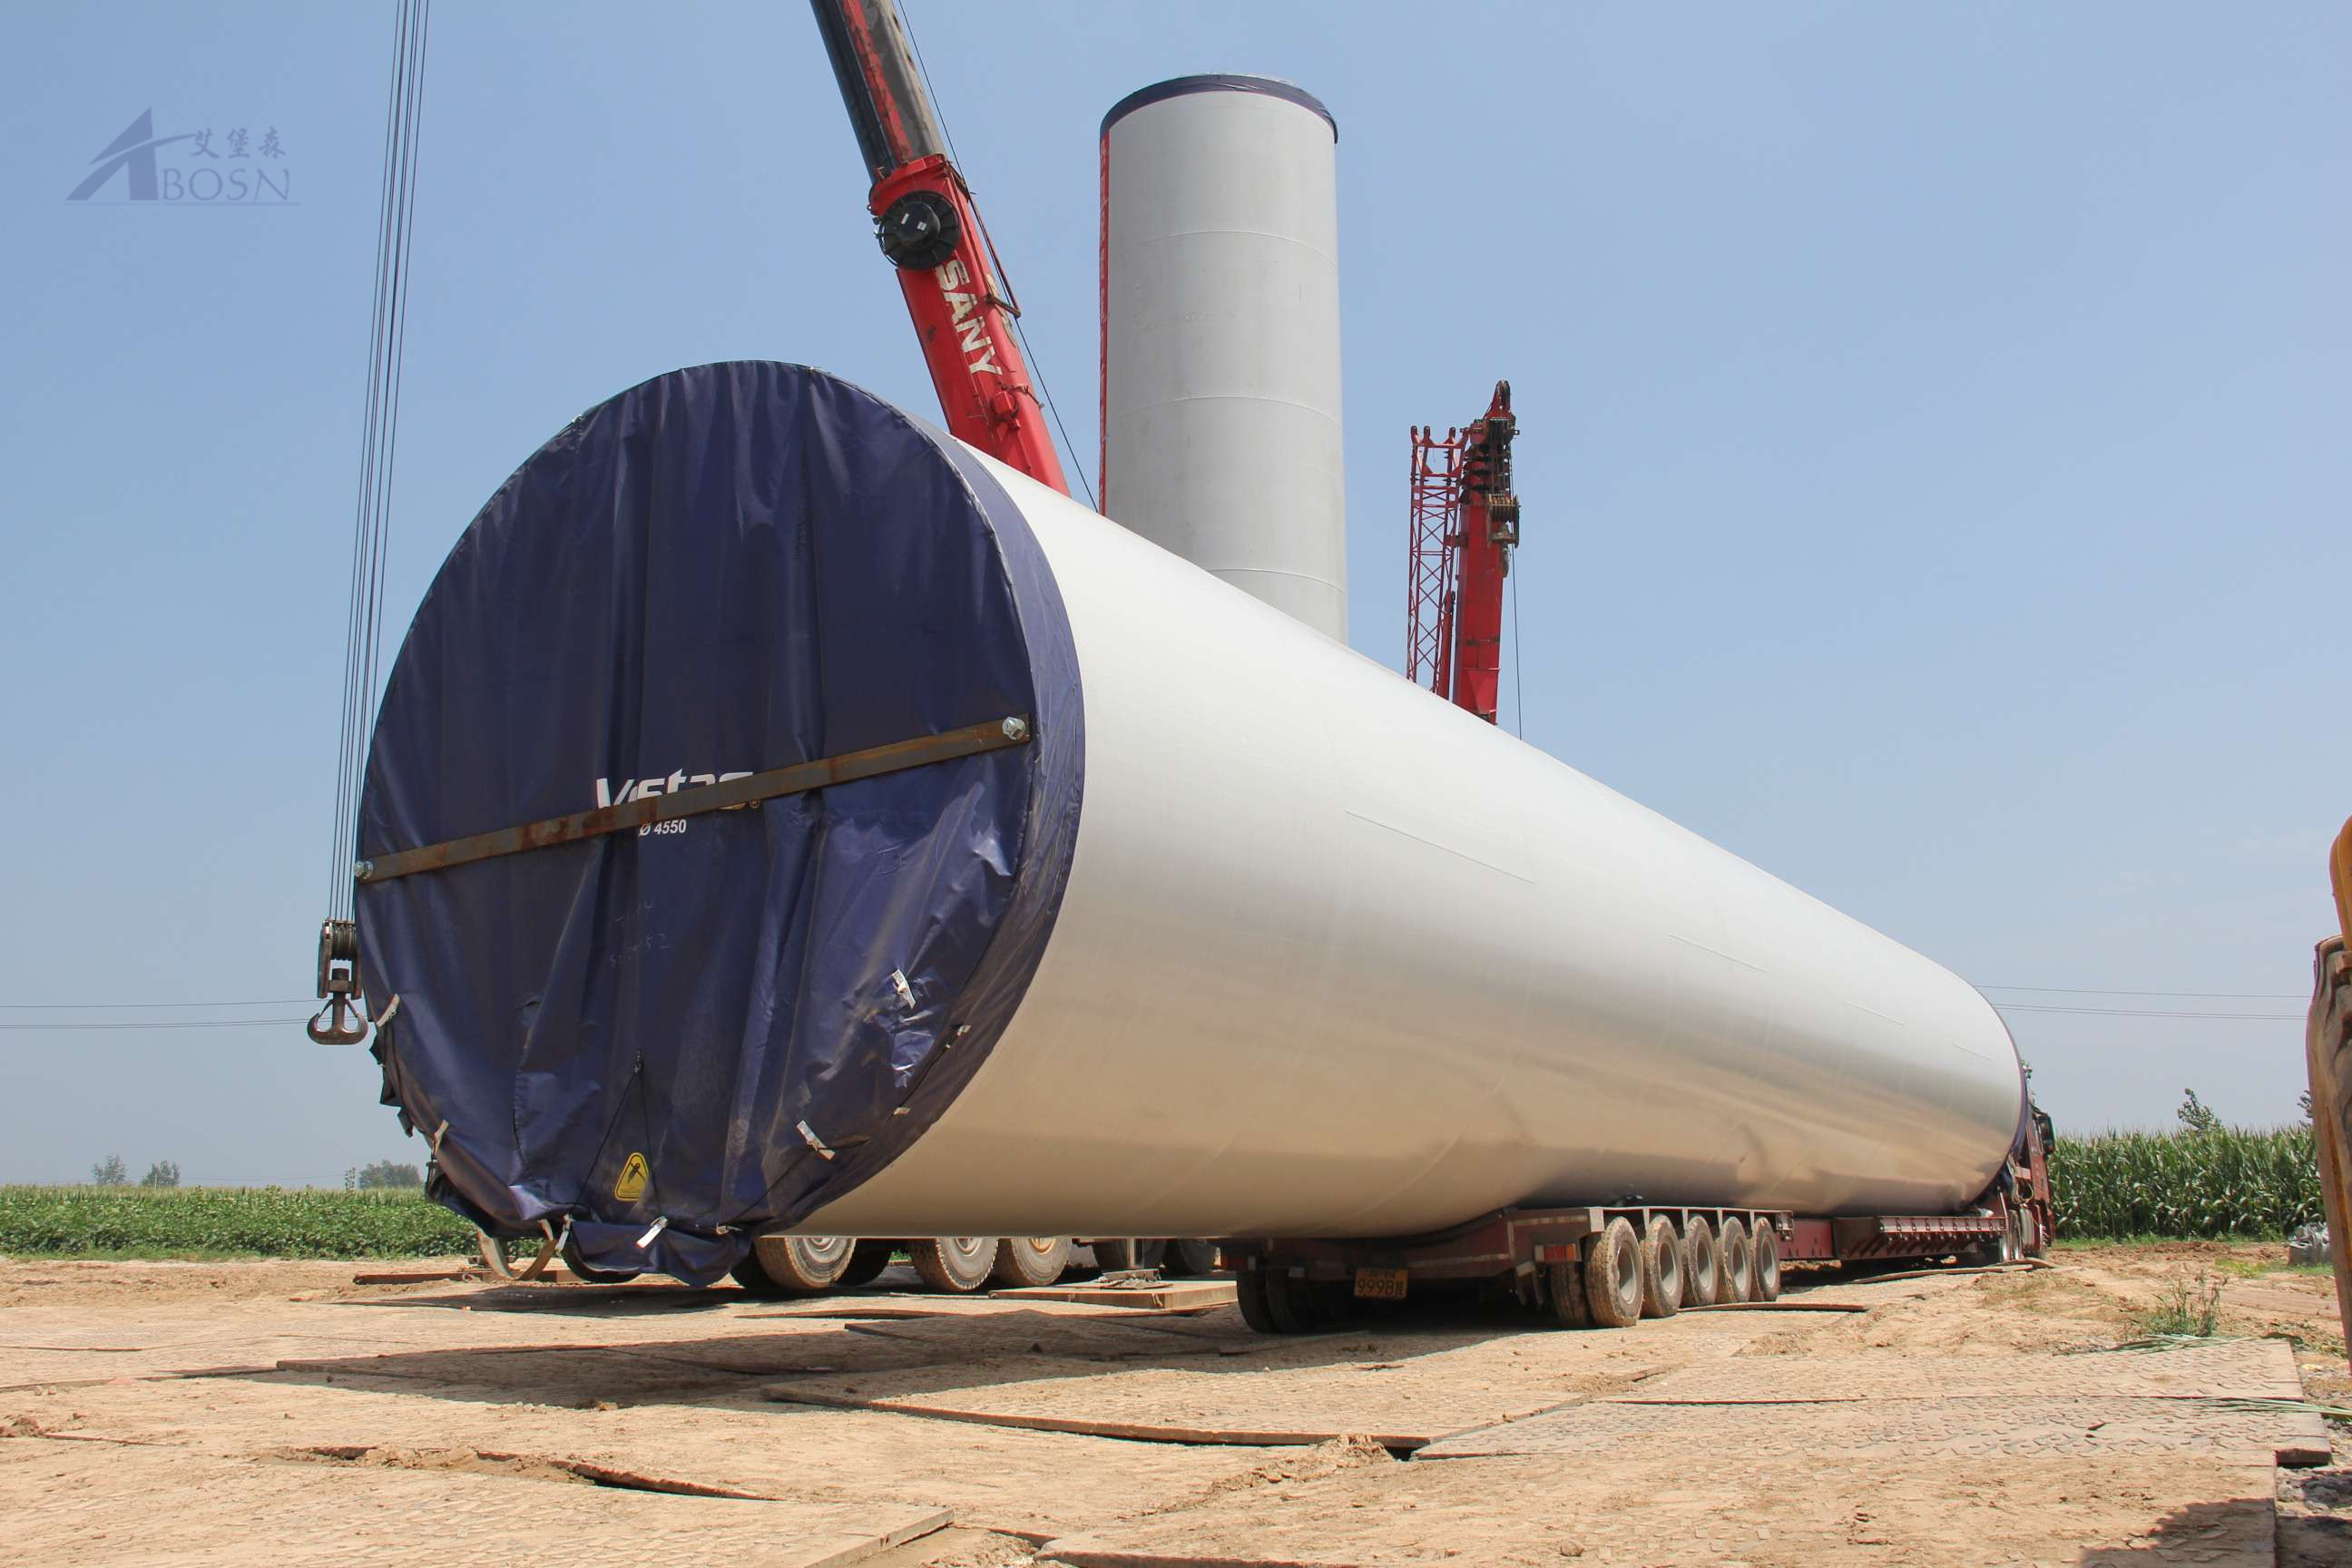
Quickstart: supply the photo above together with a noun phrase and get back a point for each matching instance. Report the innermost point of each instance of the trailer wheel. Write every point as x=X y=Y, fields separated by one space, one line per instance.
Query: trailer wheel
x=1702 y=1263
x=953 y=1264
x=867 y=1261
x=1735 y=1278
x=1257 y=1309
x=1662 y=1269
x=792 y=1265
x=1291 y=1302
x=1030 y=1260
x=1188 y=1258
x=1116 y=1255
x=1764 y=1249
x=1613 y=1275
x=1565 y=1284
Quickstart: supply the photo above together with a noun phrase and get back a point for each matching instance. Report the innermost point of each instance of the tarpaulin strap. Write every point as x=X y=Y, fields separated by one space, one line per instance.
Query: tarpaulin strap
x=994 y=735
x=390 y=1008
x=814 y=1142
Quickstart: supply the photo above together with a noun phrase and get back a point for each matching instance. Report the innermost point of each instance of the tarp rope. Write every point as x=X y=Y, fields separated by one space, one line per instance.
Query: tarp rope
x=379 y=440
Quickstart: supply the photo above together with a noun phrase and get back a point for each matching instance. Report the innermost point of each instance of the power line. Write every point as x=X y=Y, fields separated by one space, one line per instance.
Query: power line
x=2010 y=1006
x=118 y=1006
x=2198 y=995
x=2129 y=1012
x=165 y=1023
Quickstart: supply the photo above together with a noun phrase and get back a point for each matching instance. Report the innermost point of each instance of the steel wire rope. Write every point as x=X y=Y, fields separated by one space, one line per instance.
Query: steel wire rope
x=339 y=848
x=1518 y=665
x=379 y=439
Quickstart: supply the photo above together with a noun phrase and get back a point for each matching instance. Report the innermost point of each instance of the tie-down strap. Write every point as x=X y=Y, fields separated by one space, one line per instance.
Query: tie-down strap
x=996 y=735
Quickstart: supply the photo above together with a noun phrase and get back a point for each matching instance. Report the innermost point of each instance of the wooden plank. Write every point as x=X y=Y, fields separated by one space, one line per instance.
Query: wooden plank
x=1083 y=1551
x=1176 y=1296
x=858 y=1548
x=1779 y=1306
x=1133 y=1431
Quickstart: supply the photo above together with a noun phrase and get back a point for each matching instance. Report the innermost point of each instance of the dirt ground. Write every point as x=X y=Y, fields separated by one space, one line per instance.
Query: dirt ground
x=203 y=1413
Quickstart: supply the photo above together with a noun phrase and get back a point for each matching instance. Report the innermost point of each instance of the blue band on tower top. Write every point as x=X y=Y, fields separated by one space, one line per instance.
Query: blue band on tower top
x=1184 y=86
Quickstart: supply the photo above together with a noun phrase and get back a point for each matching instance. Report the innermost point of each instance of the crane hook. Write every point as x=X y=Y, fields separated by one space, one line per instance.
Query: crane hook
x=341 y=1021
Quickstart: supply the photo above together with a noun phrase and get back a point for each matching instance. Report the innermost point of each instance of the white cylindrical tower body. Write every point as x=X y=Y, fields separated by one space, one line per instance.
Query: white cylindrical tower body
x=1339 y=959
x=1221 y=337
x=1237 y=934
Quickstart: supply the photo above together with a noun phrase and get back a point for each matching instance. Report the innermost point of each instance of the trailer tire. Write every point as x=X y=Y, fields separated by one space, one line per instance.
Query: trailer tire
x=792 y=1265
x=1764 y=1252
x=1735 y=1269
x=1291 y=1302
x=867 y=1261
x=1029 y=1262
x=1251 y=1295
x=1188 y=1258
x=1662 y=1269
x=953 y=1264
x=1702 y=1263
x=1564 y=1283
x=1613 y=1275
x=1118 y=1254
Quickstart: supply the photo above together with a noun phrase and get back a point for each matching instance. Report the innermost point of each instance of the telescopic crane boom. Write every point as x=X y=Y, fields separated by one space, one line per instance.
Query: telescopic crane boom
x=930 y=231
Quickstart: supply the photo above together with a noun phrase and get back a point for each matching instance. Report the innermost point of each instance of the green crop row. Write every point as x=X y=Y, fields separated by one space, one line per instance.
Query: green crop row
x=270 y=1222
x=2229 y=1181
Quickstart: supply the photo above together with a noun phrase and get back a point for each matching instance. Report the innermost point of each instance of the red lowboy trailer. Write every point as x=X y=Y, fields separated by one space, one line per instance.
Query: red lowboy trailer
x=1610 y=1265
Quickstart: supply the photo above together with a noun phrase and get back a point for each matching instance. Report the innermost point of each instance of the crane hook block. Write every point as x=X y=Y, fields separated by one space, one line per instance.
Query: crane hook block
x=340 y=1021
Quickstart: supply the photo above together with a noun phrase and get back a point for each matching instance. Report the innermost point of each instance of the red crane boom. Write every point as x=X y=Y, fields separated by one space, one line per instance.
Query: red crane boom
x=1466 y=522
x=930 y=231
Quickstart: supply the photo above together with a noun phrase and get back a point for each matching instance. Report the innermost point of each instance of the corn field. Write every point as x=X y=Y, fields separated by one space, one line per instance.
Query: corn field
x=2232 y=1181
x=269 y=1222
x=2228 y=1182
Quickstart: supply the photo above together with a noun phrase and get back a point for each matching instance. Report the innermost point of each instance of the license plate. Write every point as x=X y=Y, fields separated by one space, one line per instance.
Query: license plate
x=1380 y=1284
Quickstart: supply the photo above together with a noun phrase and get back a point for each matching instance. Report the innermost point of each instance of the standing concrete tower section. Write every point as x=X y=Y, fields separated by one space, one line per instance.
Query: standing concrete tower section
x=1221 y=336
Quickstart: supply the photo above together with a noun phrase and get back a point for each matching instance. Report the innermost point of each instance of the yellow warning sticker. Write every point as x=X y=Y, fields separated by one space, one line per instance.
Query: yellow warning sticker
x=635 y=1174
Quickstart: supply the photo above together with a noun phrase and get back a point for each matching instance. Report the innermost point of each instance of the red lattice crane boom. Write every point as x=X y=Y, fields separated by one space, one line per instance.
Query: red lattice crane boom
x=1466 y=522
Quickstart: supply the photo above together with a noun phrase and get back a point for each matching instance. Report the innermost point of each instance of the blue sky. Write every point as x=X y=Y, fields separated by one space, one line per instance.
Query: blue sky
x=1932 y=451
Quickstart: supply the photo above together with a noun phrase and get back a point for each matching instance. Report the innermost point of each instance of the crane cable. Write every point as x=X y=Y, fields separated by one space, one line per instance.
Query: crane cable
x=1011 y=306
x=379 y=445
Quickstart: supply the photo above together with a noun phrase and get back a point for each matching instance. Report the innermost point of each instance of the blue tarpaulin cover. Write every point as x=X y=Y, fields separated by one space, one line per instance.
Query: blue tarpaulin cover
x=725 y=570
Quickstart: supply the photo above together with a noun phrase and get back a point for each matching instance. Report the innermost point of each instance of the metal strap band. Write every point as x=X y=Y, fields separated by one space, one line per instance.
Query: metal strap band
x=996 y=735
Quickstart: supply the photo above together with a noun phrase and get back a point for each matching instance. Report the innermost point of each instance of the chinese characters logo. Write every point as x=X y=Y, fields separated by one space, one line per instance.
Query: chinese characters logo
x=251 y=172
